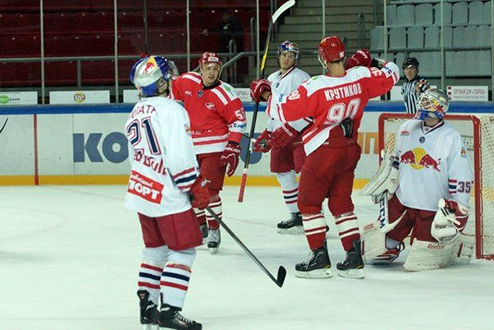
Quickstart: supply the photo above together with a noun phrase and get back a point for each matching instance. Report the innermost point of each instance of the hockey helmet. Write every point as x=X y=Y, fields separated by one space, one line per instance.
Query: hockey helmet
x=410 y=61
x=433 y=103
x=288 y=46
x=146 y=74
x=331 y=49
x=209 y=58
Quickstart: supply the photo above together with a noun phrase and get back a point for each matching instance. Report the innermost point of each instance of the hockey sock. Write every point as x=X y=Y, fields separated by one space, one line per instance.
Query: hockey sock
x=217 y=207
x=175 y=277
x=149 y=280
x=200 y=215
x=347 y=226
x=315 y=229
x=289 y=186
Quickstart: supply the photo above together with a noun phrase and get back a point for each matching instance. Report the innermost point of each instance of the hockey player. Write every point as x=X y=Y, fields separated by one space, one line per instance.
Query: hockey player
x=286 y=158
x=217 y=122
x=428 y=181
x=414 y=85
x=336 y=102
x=163 y=181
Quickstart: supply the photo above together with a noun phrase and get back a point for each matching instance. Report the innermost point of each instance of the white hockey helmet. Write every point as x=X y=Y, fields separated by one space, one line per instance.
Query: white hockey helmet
x=146 y=74
x=433 y=103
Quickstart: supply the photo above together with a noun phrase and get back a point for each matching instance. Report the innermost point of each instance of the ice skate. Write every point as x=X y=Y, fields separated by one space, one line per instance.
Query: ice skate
x=353 y=265
x=170 y=318
x=214 y=240
x=317 y=265
x=292 y=226
x=149 y=311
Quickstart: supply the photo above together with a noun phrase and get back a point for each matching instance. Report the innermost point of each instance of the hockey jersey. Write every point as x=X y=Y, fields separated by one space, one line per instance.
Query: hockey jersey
x=216 y=114
x=164 y=165
x=330 y=100
x=433 y=164
x=285 y=84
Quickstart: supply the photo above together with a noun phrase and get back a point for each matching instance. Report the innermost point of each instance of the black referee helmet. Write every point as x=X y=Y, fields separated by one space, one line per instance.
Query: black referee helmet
x=410 y=61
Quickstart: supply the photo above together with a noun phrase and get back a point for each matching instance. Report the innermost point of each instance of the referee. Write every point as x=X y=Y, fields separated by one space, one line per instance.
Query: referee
x=414 y=84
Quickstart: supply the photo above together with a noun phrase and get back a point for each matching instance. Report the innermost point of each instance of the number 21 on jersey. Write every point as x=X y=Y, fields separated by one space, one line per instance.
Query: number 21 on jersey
x=137 y=130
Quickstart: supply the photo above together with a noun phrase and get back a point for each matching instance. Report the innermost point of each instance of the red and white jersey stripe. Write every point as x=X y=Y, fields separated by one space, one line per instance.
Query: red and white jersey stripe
x=330 y=100
x=216 y=113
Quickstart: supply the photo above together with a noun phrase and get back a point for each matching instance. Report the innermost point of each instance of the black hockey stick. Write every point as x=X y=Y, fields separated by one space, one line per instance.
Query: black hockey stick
x=281 y=271
x=287 y=5
x=1 y=129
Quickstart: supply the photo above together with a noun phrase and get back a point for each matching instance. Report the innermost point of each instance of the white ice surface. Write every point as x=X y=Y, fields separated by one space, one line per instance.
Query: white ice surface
x=69 y=257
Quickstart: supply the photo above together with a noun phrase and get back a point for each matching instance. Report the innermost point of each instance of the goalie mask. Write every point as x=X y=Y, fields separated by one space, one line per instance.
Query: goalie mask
x=433 y=103
x=149 y=74
x=288 y=46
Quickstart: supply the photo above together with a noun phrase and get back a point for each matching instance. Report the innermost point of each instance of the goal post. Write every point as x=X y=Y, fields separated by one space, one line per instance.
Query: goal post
x=477 y=133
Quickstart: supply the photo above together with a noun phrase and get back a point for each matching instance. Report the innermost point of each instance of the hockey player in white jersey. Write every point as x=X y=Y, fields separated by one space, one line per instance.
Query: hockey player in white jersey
x=428 y=183
x=164 y=185
x=288 y=155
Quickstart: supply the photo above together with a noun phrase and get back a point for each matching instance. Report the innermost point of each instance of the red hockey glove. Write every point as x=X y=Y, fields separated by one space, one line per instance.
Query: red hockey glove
x=199 y=193
x=262 y=142
x=230 y=157
x=282 y=135
x=362 y=57
x=257 y=87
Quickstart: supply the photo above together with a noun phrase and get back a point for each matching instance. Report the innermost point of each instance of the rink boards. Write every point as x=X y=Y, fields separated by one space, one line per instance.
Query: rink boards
x=85 y=144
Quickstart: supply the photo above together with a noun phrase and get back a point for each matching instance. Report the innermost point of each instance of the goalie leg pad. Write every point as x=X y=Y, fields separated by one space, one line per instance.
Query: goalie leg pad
x=430 y=255
x=465 y=249
x=376 y=247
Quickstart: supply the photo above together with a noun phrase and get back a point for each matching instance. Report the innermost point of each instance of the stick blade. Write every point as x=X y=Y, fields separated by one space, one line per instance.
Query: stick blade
x=281 y=276
x=284 y=7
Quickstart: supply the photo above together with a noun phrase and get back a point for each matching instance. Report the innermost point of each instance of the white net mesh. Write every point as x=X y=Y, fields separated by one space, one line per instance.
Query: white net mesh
x=483 y=165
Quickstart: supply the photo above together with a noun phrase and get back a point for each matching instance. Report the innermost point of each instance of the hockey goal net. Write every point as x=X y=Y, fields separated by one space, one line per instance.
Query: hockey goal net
x=477 y=132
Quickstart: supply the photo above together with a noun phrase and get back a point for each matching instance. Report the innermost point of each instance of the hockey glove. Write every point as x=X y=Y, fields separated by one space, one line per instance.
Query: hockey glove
x=449 y=221
x=283 y=135
x=262 y=142
x=230 y=157
x=258 y=87
x=199 y=193
x=362 y=57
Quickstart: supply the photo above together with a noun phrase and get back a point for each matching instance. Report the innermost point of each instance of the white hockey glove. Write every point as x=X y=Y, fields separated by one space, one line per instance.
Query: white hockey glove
x=445 y=225
x=386 y=179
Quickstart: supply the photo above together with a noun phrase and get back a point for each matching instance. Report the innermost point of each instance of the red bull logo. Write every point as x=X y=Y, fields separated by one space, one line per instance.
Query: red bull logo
x=418 y=159
x=149 y=66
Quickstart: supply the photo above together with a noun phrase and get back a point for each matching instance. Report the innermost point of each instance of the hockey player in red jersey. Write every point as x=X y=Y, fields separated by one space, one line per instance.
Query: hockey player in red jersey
x=217 y=122
x=163 y=187
x=427 y=180
x=336 y=101
x=287 y=157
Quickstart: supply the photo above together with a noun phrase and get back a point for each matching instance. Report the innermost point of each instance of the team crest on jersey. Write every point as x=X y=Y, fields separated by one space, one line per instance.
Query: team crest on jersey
x=200 y=93
x=404 y=133
x=210 y=106
x=463 y=152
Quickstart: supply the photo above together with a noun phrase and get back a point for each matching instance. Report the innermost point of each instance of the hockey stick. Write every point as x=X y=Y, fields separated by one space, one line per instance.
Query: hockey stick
x=281 y=270
x=287 y=5
x=1 y=129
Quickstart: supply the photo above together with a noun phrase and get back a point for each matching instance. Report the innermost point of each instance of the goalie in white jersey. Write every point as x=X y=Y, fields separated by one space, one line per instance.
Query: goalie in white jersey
x=288 y=155
x=428 y=183
x=164 y=184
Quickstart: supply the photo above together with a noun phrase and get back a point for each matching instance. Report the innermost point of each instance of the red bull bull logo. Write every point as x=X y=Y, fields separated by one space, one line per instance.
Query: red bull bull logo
x=418 y=159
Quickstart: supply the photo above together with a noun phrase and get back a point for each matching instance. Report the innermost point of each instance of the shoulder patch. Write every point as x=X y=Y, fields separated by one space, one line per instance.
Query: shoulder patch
x=463 y=152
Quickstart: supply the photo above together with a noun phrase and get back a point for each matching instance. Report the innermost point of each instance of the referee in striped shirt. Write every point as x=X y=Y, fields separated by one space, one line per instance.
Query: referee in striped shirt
x=414 y=84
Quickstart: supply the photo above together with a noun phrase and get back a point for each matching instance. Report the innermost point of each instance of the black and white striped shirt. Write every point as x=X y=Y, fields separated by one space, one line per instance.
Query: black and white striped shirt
x=410 y=94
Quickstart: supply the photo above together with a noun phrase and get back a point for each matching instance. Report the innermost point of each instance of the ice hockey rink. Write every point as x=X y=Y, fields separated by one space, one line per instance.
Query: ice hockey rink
x=69 y=257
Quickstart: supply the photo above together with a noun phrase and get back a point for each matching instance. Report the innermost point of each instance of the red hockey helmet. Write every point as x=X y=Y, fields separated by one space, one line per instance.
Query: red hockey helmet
x=209 y=58
x=331 y=49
